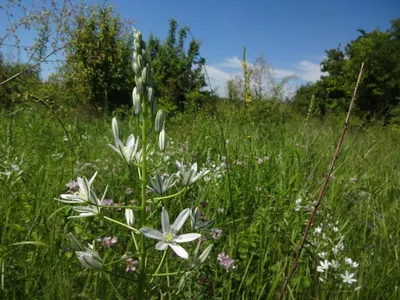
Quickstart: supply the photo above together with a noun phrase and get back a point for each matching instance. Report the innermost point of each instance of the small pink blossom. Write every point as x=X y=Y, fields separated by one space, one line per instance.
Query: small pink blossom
x=225 y=261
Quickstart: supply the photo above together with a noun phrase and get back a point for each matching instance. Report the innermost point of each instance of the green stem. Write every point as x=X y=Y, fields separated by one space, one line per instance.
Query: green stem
x=122 y=224
x=159 y=265
x=166 y=269
x=168 y=274
x=171 y=196
x=134 y=241
x=144 y=175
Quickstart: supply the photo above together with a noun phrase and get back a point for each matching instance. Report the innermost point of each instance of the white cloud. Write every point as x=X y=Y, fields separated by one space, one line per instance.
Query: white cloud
x=304 y=70
x=232 y=62
x=218 y=78
x=309 y=71
x=220 y=73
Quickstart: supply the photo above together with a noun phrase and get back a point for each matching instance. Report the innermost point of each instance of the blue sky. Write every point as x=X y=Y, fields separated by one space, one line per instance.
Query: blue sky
x=292 y=34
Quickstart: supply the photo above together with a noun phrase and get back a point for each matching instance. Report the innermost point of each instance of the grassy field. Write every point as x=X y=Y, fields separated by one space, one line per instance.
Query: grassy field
x=262 y=161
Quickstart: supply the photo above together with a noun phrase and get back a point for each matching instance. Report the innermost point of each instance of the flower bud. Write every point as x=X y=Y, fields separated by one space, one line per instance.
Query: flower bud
x=144 y=54
x=135 y=68
x=130 y=218
x=137 y=45
x=146 y=74
x=137 y=105
x=135 y=95
x=154 y=106
x=159 y=122
x=161 y=140
x=139 y=85
x=140 y=62
x=150 y=95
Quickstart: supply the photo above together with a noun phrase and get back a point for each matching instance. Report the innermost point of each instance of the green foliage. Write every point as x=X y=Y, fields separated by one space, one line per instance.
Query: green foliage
x=253 y=204
x=12 y=92
x=378 y=93
x=178 y=73
x=97 y=69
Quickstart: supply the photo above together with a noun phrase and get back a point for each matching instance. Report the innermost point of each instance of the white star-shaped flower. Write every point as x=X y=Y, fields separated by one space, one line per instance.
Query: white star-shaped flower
x=190 y=176
x=348 y=278
x=168 y=236
x=324 y=265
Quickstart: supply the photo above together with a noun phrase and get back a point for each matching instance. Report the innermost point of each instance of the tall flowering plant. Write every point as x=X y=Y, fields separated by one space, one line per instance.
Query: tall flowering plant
x=135 y=154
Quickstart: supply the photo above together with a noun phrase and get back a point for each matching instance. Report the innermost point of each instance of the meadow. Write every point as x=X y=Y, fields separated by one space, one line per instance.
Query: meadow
x=266 y=167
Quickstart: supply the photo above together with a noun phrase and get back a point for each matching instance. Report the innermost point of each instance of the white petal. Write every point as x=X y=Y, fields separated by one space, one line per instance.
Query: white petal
x=82 y=215
x=151 y=233
x=129 y=217
x=179 y=251
x=92 y=179
x=68 y=198
x=180 y=220
x=114 y=127
x=161 y=245
x=164 y=220
x=85 y=209
x=187 y=237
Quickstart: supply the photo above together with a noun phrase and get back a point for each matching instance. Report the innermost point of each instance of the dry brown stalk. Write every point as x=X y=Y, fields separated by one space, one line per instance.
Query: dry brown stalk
x=322 y=191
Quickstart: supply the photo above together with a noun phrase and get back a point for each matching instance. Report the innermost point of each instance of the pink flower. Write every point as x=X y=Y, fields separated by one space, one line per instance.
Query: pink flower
x=108 y=241
x=225 y=261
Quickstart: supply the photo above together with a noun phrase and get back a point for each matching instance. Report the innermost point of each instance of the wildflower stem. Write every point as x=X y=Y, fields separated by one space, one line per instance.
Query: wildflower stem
x=168 y=274
x=166 y=268
x=159 y=266
x=122 y=224
x=171 y=196
x=144 y=175
x=135 y=242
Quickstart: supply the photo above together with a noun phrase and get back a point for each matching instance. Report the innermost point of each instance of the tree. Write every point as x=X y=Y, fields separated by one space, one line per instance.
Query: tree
x=98 y=61
x=176 y=72
x=235 y=89
x=262 y=77
x=378 y=93
x=47 y=21
x=13 y=92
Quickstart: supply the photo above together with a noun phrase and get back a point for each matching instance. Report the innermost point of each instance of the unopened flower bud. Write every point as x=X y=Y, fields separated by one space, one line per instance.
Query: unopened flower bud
x=139 y=85
x=137 y=45
x=146 y=74
x=159 y=122
x=130 y=218
x=154 y=106
x=144 y=54
x=135 y=95
x=161 y=140
x=137 y=105
x=135 y=68
x=140 y=62
x=150 y=95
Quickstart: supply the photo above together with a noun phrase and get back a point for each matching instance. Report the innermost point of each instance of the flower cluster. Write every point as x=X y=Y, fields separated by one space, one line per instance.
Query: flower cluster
x=225 y=261
x=107 y=241
x=334 y=266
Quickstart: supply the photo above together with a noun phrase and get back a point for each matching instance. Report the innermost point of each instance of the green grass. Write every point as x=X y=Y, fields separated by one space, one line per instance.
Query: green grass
x=260 y=226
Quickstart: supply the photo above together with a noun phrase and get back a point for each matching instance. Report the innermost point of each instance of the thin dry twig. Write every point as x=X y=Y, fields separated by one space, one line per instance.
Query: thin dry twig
x=322 y=191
